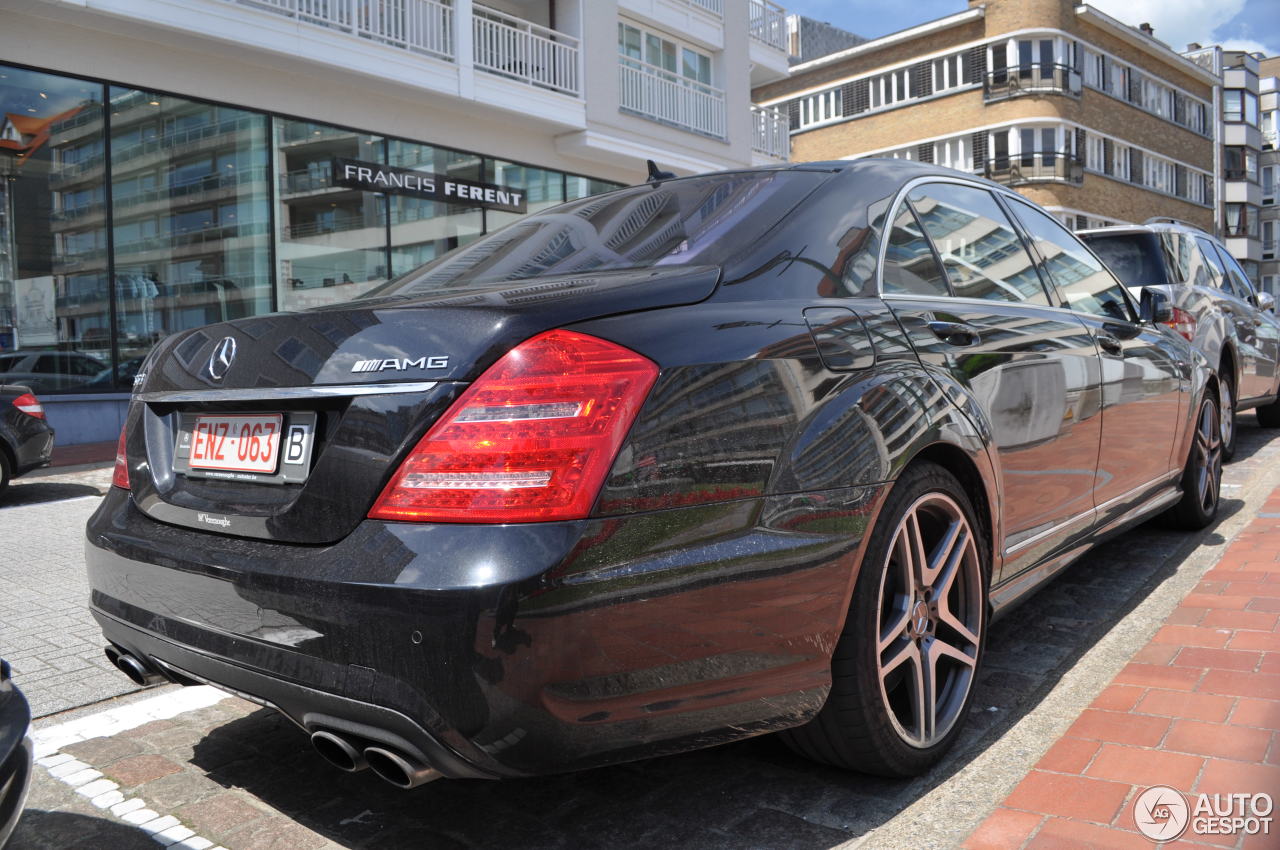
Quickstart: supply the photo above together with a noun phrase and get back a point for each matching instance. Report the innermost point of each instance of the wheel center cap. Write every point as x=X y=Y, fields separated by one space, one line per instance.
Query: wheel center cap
x=919 y=619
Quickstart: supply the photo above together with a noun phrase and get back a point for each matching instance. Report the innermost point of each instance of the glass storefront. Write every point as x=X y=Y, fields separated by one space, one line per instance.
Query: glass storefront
x=155 y=214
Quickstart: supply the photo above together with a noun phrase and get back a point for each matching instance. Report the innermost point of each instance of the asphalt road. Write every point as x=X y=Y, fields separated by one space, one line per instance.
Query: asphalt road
x=243 y=777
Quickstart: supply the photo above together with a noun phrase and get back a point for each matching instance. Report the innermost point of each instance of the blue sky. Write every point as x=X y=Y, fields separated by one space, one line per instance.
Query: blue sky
x=1235 y=24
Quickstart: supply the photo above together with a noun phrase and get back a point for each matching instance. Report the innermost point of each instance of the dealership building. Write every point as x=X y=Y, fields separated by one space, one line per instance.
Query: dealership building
x=165 y=164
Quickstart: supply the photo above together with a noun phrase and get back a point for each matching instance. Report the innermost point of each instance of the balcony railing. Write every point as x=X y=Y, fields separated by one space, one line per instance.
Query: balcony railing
x=1035 y=167
x=715 y=7
x=1027 y=79
x=767 y=22
x=770 y=132
x=660 y=95
x=511 y=47
x=423 y=26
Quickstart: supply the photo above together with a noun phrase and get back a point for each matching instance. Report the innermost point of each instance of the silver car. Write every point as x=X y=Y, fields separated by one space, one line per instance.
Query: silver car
x=1215 y=307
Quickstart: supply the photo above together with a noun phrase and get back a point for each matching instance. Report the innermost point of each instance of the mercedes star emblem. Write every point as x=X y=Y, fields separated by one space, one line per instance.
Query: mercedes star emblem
x=220 y=360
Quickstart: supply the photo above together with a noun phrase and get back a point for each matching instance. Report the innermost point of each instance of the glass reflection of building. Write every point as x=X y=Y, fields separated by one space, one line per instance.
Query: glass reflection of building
x=189 y=212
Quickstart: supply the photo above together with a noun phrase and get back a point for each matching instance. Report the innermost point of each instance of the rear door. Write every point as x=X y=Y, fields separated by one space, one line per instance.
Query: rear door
x=1145 y=370
x=1256 y=334
x=960 y=280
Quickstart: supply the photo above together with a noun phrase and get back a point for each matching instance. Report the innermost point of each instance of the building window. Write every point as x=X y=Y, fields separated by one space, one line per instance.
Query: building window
x=1239 y=105
x=954 y=153
x=1241 y=221
x=890 y=88
x=947 y=72
x=1268 y=240
x=1241 y=163
x=1269 y=184
x=664 y=54
x=820 y=108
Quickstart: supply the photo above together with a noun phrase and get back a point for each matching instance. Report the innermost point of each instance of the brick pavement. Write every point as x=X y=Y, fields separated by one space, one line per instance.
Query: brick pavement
x=46 y=631
x=1196 y=709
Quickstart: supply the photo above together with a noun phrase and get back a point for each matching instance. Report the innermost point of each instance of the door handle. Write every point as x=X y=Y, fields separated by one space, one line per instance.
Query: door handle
x=1109 y=344
x=955 y=333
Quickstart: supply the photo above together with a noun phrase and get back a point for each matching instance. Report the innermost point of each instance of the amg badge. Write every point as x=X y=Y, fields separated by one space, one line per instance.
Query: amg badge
x=401 y=364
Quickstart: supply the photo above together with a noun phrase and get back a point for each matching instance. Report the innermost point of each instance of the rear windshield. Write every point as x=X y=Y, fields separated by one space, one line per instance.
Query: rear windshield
x=694 y=221
x=1136 y=258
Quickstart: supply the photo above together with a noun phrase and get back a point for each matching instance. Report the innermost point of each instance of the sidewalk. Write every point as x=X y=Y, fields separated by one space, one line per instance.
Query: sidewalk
x=1197 y=709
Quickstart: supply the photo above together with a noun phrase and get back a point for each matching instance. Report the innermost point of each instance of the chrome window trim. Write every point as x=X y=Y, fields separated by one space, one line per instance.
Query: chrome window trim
x=275 y=393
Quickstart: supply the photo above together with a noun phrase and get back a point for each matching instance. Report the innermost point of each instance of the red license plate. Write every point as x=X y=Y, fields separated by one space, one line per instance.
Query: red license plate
x=245 y=443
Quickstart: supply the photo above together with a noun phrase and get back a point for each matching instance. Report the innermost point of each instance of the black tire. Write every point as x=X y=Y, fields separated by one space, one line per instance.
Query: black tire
x=1269 y=415
x=1227 y=409
x=1202 y=474
x=864 y=726
x=5 y=472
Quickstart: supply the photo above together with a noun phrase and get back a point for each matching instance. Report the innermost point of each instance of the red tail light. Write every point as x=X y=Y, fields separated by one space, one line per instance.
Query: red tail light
x=1184 y=323
x=29 y=405
x=531 y=440
x=120 y=478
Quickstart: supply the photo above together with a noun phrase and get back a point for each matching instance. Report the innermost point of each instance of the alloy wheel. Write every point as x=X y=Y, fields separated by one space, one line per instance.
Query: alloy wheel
x=930 y=620
x=1208 y=460
x=1227 y=413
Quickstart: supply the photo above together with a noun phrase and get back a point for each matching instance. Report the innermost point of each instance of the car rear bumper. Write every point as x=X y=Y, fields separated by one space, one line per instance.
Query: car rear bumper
x=494 y=651
x=32 y=443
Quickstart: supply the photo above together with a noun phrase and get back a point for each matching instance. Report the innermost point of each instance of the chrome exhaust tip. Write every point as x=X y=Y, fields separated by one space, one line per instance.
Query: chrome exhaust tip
x=133 y=667
x=398 y=769
x=338 y=751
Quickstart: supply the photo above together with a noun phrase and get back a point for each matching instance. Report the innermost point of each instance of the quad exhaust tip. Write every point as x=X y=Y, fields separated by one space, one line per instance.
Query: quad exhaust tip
x=135 y=668
x=399 y=769
x=338 y=751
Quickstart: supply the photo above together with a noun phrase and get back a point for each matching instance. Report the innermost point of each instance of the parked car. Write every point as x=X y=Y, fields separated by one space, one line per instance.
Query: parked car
x=15 y=753
x=48 y=371
x=1214 y=305
x=26 y=438
x=675 y=465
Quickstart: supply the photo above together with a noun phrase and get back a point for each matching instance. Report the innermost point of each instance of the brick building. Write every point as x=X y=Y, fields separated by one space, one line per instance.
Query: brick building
x=1095 y=120
x=1269 y=174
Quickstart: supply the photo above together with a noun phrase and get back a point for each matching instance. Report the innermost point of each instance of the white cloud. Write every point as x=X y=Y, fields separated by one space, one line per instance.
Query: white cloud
x=1176 y=23
x=1248 y=45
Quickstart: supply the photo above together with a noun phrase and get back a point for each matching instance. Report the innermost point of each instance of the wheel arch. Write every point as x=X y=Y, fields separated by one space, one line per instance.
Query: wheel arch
x=976 y=486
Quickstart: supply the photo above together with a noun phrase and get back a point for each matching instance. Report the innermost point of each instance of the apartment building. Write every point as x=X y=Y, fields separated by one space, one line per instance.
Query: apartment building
x=1269 y=173
x=1096 y=120
x=1237 y=214
x=169 y=163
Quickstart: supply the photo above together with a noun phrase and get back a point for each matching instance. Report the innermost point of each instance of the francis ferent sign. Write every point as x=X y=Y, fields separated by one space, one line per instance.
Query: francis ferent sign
x=372 y=177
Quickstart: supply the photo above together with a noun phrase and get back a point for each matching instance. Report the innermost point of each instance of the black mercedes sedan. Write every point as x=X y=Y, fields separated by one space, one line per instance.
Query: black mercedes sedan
x=15 y=753
x=26 y=437
x=679 y=464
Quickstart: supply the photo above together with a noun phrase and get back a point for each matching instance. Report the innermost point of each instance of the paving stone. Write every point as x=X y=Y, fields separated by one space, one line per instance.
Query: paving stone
x=136 y=770
x=221 y=814
x=101 y=752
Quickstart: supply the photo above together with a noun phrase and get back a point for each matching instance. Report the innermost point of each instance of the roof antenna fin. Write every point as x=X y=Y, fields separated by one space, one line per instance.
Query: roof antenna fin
x=655 y=174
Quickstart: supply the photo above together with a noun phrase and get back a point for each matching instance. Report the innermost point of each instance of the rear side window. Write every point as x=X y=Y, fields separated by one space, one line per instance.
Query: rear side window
x=980 y=251
x=1083 y=280
x=1236 y=281
x=1185 y=256
x=1135 y=258
x=910 y=268
x=1211 y=257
